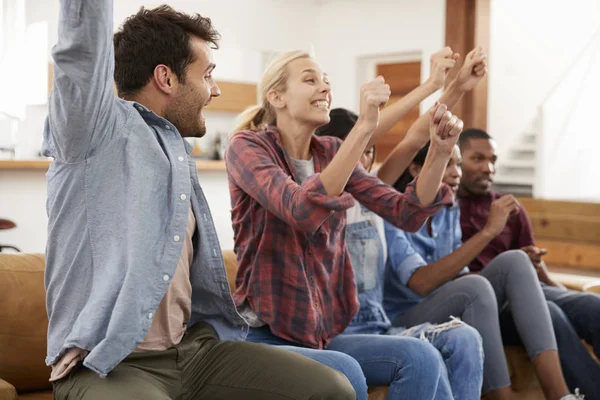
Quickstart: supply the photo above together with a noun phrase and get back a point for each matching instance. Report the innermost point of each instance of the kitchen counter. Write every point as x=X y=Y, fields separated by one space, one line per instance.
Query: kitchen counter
x=42 y=164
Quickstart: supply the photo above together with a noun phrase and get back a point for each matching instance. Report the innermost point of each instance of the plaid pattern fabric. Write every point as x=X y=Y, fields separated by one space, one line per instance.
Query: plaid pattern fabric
x=294 y=269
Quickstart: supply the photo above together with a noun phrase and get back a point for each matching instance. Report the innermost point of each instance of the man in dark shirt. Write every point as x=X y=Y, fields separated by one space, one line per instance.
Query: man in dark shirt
x=575 y=315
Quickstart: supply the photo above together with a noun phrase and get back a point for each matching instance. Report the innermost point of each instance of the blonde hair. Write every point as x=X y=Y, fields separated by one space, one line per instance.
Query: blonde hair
x=275 y=77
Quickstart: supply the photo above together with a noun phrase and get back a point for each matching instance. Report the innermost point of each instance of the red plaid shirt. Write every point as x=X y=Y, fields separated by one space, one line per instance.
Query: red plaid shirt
x=294 y=268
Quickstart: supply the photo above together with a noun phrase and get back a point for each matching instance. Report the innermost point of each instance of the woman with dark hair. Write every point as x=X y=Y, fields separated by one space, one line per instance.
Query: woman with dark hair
x=427 y=281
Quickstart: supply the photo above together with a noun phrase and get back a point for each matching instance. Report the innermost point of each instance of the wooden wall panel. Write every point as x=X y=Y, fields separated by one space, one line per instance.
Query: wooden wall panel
x=468 y=26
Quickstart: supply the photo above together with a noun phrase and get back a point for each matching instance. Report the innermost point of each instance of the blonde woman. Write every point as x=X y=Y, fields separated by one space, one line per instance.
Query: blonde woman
x=290 y=190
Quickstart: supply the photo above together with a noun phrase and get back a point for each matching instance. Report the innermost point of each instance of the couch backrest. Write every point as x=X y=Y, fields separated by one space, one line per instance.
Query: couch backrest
x=23 y=322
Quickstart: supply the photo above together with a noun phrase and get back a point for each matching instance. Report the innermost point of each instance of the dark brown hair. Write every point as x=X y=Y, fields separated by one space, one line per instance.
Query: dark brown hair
x=157 y=36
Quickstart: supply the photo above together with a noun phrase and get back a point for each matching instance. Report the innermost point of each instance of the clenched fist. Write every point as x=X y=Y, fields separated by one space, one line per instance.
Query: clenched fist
x=444 y=128
x=441 y=61
x=501 y=209
x=373 y=95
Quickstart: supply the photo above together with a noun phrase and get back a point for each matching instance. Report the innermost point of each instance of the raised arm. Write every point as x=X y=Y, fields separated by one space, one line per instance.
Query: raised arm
x=82 y=102
x=251 y=167
x=373 y=95
x=441 y=62
x=429 y=277
x=472 y=71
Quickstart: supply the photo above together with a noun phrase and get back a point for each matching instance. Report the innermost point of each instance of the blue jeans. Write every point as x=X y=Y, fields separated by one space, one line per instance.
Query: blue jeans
x=411 y=367
x=339 y=361
x=461 y=348
x=575 y=316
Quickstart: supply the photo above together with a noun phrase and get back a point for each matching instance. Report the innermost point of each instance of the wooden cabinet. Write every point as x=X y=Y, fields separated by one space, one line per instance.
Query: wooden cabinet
x=235 y=96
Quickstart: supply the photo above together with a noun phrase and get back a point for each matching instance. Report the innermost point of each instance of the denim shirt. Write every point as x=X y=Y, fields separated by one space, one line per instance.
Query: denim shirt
x=119 y=192
x=367 y=254
x=408 y=252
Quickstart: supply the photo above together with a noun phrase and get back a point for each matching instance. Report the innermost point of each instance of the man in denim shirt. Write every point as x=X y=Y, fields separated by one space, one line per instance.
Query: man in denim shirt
x=137 y=291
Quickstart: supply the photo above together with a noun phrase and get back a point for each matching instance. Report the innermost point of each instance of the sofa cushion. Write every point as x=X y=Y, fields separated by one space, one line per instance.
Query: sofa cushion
x=45 y=395
x=24 y=322
x=7 y=391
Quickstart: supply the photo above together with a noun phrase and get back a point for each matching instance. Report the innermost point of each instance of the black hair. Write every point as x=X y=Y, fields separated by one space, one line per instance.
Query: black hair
x=340 y=124
x=471 y=133
x=406 y=177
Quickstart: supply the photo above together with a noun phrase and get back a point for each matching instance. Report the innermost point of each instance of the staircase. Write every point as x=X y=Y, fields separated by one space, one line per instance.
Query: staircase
x=556 y=158
x=515 y=174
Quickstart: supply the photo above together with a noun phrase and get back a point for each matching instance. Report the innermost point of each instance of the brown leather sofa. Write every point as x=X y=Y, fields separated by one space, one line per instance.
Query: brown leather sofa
x=23 y=325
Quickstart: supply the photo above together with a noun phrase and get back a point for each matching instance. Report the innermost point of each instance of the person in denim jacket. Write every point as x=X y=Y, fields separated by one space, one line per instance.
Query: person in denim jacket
x=427 y=281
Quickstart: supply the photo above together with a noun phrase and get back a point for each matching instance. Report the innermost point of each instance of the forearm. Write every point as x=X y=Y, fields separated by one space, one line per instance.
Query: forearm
x=335 y=176
x=416 y=137
x=431 y=175
x=451 y=95
x=398 y=160
x=428 y=278
x=395 y=112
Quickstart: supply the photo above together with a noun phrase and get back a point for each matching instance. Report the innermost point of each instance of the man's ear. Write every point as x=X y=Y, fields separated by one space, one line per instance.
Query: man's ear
x=415 y=169
x=165 y=79
x=275 y=99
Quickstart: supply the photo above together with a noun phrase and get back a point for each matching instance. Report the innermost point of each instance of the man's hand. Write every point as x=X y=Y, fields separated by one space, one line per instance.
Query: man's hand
x=444 y=128
x=535 y=255
x=441 y=62
x=373 y=95
x=500 y=211
x=473 y=70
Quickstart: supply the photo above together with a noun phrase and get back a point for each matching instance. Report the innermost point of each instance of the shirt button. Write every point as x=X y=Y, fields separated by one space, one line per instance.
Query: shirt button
x=176 y=238
x=150 y=316
x=183 y=197
x=180 y=158
x=166 y=278
x=435 y=235
x=429 y=257
x=167 y=127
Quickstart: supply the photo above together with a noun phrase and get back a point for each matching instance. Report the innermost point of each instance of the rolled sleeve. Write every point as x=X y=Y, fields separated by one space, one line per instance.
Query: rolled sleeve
x=402 y=257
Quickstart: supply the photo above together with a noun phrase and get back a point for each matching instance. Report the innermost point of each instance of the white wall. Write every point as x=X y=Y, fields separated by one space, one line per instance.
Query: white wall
x=531 y=43
x=568 y=138
x=349 y=30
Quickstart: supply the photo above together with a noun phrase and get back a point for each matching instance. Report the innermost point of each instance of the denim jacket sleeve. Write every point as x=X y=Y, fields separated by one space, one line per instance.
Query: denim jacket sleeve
x=82 y=103
x=403 y=259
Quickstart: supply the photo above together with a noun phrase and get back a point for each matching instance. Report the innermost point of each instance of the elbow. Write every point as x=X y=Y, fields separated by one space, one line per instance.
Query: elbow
x=309 y=221
x=420 y=287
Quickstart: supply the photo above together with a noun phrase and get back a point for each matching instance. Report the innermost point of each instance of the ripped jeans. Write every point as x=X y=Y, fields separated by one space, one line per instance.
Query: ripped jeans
x=458 y=347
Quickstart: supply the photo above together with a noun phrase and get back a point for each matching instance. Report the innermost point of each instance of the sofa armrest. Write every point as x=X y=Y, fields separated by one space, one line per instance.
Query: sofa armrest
x=7 y=391
x=577 y=282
